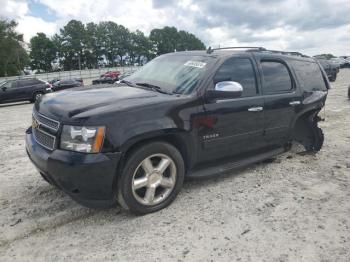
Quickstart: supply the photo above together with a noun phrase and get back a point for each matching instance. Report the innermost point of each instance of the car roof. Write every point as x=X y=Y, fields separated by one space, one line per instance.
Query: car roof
x=227 y=52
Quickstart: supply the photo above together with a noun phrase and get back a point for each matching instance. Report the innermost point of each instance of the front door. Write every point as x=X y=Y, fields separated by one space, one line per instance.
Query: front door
x=236 y=124
x=9 y=92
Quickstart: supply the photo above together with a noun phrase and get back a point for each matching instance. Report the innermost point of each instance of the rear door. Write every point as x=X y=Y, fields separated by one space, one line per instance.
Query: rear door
x=26 y=88
x=281 y=99
x=234 y=126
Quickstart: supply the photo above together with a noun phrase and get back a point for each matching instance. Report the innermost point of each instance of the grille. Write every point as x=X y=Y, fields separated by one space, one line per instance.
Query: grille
x=47 y=122
x=44 y=139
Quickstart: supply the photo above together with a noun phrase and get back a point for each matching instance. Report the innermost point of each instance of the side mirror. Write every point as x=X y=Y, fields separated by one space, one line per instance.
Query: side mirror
x=225 y=90
x=4 y=88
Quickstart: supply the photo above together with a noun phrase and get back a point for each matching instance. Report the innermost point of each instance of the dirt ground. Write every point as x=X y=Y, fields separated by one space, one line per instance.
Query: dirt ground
x=296 y=208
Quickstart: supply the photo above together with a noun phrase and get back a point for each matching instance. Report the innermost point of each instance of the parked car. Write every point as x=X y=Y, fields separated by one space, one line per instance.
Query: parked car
x=185 y=114
x=104 y=80
x=29 y=89
x=65 y=84
x=75 y=78
x=111 y=74
x=330 y=69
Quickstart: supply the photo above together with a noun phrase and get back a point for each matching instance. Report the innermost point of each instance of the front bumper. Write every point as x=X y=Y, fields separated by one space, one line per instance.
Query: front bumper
x=89 y=179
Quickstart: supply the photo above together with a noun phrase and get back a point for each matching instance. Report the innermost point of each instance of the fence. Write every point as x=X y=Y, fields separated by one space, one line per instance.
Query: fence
x=84 y=74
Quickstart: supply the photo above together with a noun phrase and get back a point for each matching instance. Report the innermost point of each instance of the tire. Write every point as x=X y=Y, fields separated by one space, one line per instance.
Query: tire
x=333 y=77
x=36 y=96
x=137 y=196
x=316 y=140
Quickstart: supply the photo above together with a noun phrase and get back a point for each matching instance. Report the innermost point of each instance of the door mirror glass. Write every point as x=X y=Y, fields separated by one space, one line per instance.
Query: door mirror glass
x=225 y=90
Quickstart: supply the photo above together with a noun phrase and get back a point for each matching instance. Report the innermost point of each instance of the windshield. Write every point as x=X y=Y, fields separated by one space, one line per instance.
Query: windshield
x=172 y=73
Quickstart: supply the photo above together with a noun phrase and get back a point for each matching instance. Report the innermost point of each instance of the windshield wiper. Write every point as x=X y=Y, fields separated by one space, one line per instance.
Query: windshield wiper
x=154 y=88
x=127 y=82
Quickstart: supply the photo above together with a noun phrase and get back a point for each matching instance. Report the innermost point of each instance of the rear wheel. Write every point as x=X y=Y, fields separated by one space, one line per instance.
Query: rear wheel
x=151 y=179
x=333 y=77
x=36 y=96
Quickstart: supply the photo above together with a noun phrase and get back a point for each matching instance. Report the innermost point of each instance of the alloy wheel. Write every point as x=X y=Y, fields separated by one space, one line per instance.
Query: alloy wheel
x=154 y=179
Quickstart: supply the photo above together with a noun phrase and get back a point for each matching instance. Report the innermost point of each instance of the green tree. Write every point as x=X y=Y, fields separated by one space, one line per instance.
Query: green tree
x=117 y=42
x=169 y=39
x=72 y=44
x=42 y=53
x=325 y=56
x=13 y=56
x=141 y=47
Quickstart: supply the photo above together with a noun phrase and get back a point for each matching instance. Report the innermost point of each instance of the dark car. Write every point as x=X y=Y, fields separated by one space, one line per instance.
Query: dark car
x=29 y=89
x=66 y=84
x=330 y=68
x=183 y=115
x=104 y=80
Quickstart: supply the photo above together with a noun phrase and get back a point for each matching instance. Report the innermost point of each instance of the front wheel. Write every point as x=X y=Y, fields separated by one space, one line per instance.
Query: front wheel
x=151 y=179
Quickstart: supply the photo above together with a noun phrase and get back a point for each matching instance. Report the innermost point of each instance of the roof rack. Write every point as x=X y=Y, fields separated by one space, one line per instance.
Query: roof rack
x=255 y=48
x=286 y=53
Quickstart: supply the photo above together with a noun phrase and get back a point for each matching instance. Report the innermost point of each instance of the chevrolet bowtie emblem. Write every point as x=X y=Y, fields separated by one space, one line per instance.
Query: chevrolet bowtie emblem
x=35 y=124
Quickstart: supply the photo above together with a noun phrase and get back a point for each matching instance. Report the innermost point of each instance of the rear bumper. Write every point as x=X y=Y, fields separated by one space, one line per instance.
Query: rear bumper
x=89 y=179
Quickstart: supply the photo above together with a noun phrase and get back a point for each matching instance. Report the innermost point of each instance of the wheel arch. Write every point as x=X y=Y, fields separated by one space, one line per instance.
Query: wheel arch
x=177 y=138
x=305 y=126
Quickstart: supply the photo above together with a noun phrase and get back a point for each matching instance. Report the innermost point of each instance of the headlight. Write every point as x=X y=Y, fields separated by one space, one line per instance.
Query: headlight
x=82 y=138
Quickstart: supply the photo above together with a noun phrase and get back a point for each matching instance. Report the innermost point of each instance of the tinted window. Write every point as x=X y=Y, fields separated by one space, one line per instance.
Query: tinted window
x=309 y=75
x=28 y=82
x=10 y=84
x=67 y=82
x=276 y=77
x=239 y=70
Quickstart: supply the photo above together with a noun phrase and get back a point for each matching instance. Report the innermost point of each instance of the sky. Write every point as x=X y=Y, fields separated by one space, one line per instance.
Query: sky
x=308 y=26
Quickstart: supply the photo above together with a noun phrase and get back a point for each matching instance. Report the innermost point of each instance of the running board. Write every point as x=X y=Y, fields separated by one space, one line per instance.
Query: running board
x=212 y=171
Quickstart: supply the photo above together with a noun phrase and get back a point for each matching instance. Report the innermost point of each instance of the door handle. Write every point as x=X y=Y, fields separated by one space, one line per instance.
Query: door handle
x=294 y=103
x=255 y=109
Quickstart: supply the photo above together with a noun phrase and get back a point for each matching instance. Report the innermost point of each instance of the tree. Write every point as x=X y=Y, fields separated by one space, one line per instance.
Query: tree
x=13 y=57
x=117 y=42
x=43 y=52
x=72 y=44
x=141 y=47
x=325 y=56
x=169 y=39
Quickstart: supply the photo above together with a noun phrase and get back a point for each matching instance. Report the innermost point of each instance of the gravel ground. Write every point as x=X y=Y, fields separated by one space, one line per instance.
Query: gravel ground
x=296 y=208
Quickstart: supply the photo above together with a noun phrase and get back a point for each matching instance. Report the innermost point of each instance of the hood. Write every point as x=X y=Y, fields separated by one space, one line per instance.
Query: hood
x=84 y=102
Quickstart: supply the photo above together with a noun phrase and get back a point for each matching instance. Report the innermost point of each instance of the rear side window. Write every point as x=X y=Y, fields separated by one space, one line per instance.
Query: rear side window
x=276 y=77
x=27 y=82
x=309 y=75
x=239 y=70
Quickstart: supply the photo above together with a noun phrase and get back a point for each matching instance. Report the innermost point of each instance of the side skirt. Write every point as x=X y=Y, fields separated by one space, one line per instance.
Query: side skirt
x=224 y=168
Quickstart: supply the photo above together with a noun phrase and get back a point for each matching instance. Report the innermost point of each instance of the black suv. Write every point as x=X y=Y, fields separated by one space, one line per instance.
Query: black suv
x=330 y=68
x=23 y=90
x=185 y=114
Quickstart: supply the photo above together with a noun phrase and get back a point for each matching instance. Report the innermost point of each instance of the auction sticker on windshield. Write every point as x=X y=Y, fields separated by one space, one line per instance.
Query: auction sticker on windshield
x=195 y=64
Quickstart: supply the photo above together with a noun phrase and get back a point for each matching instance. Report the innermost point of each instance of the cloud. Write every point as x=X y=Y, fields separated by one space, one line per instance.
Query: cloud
x=27 y=25
x=309 y=26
